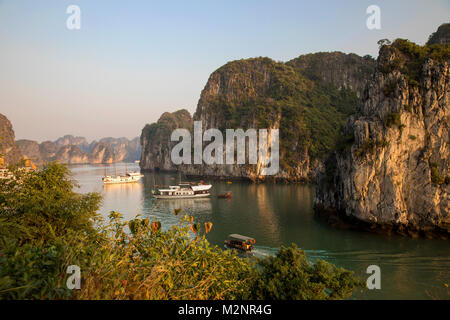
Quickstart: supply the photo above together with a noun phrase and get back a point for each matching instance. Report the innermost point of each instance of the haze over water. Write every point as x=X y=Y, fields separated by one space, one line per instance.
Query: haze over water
x=279 y=214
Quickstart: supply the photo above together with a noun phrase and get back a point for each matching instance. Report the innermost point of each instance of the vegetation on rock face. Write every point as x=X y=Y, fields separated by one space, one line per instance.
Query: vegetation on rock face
x=410 y=58
x=342 y=70
x=436 y=176
x=167 y=123
x=441 y=36
x=155 y=139
x=369 y=146
x=260 y=92
x=393 y=119
x=45 y=226
x=409 y=88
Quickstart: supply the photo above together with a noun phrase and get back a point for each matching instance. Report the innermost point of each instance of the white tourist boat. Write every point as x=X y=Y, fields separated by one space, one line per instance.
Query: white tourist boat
x=183 y=191
x=129 y=177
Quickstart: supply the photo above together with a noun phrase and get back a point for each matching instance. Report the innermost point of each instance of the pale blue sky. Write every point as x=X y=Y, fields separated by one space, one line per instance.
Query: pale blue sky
x=133 y=60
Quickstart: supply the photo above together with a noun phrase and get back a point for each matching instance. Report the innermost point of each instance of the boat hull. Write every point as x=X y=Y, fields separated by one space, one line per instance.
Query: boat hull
x=190 y=196
x=134 y=180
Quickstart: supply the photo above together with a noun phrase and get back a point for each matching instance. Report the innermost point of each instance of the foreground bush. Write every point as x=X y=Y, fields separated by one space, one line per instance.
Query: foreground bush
x=54 y=227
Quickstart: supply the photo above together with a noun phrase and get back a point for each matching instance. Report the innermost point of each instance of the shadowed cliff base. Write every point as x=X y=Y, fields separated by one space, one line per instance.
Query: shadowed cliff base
x=340 y=220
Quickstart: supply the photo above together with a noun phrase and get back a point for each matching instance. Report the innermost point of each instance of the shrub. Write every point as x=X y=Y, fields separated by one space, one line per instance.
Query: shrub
x=391 y=119
x=436 y=176
x=370 y=145
x=42 y=205
x=289 y=276
x=415 y=56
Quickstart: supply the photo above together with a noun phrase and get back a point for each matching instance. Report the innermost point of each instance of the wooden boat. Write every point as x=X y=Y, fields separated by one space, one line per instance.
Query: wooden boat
x=240 y=242
x=226 y=195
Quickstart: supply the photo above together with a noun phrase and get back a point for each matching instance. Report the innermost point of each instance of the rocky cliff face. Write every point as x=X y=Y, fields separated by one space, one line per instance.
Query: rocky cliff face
x=69 y=140
x=155 y=140
x=9 y=152
x=392 y=169
x=299 y=98
x=71 y=154
x=348 y=71
x=30 y=150
x=249 y=94
x=76 y=150
x=101 y=153
x=47 y=150
x=124 y=150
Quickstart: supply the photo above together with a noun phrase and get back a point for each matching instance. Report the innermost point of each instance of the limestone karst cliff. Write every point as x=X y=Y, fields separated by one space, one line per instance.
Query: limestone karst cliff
x=9 y=152
x=76 y=150
x=263 y=94
x=71 y=154
x=391 y=171
x=441 y=36
x=30 y=150
x=155 y=140
x=47 y=150
x=123 y=150
x=70 y=140
x=348 y=71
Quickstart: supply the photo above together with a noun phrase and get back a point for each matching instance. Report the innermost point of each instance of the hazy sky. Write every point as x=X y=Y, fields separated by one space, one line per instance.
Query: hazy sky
x=133 y=60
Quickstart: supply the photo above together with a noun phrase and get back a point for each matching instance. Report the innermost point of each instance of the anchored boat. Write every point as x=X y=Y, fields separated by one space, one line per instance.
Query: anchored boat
x=129 y=177
x=183 y=191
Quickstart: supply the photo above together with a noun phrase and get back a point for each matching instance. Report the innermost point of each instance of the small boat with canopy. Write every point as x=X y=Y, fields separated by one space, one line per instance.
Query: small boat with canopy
x=240 y=242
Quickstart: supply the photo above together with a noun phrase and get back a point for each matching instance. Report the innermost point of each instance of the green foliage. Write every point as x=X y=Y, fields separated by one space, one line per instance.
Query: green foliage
x=135 y=259
x=42 y=205
x=442 y=32
x=383 y=42
x=391 y=119
x=412 y=57
x=436 y=176
x=289 y=276
x=369 y=146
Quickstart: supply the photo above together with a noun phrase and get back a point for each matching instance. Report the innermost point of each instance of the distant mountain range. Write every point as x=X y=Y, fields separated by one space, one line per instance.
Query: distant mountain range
x=77 y=150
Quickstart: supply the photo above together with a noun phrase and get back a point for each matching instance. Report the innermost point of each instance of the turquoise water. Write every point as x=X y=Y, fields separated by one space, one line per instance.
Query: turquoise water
x=280 y=214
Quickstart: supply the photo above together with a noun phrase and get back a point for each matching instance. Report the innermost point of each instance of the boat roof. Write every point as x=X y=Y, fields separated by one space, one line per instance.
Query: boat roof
x=202 y=187
x=239 y=237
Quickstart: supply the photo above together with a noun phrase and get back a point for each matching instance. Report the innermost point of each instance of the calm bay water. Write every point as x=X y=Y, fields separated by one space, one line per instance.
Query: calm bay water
x=279 y=215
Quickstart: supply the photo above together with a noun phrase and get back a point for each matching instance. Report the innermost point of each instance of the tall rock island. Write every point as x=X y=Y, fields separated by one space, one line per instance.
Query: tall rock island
x=9 y=151
x=391 y=169
x=305 y=99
